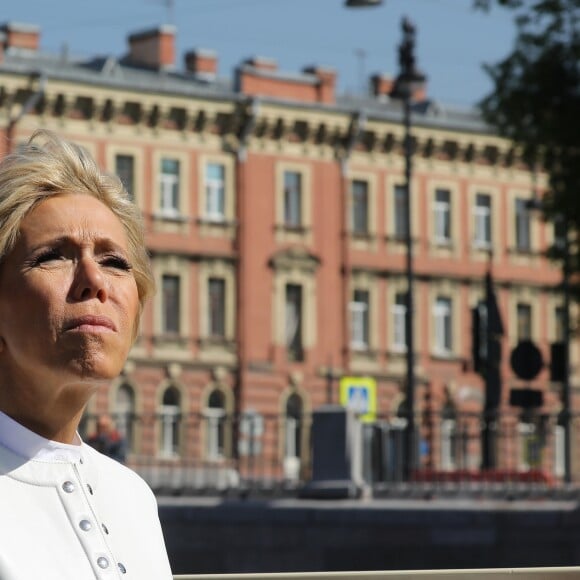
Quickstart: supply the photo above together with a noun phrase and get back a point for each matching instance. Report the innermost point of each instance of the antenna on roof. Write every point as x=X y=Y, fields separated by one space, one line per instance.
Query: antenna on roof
x=170 y=5
x=361 y=55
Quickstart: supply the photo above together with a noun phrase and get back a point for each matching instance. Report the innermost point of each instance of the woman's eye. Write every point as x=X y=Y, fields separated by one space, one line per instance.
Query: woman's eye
x=47 y=256
x=117 y=262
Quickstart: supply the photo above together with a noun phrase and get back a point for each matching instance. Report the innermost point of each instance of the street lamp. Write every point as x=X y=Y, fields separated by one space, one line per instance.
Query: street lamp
x=362 y=3
x=564 y=245
x=406 y=82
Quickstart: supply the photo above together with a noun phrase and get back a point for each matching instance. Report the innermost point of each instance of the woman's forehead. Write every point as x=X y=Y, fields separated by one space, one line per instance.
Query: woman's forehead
x=75 y=217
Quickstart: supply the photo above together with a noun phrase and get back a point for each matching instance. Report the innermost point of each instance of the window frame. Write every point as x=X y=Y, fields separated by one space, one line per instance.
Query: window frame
x=365 y=210
x=360 y=315
x=522 y=225
x=295 y=346
x=175 y=316
x=443 y=324
x=215 y=192
x=483 y=221
x=399 y=316
x=170 y=188
x=442 y=217
x=212 y=325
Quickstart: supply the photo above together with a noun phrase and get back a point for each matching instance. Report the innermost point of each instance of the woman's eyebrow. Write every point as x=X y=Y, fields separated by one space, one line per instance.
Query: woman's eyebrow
x=100 y=242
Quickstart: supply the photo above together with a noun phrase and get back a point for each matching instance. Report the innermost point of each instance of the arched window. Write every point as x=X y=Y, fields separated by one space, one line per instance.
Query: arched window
x=293 y=425
x=170 y=416
x=215 y=418
x=125 y=414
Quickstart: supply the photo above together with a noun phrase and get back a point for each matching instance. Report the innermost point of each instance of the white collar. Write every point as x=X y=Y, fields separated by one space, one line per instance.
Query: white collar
x=30 y=445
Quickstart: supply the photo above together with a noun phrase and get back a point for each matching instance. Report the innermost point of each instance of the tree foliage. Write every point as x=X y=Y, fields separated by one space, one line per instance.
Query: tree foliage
x=535 y=101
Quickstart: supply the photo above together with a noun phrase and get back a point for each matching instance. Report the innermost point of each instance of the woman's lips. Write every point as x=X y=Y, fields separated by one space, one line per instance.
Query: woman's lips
x=90 y=323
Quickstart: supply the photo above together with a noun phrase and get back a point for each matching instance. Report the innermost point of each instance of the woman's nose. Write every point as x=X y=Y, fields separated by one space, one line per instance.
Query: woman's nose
x=89 y=281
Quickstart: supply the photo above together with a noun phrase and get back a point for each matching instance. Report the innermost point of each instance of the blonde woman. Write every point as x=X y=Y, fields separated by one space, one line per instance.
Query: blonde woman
x=74 y=277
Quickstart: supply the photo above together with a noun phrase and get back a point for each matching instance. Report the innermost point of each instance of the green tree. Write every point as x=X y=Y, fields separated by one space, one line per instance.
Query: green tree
x=535 y=101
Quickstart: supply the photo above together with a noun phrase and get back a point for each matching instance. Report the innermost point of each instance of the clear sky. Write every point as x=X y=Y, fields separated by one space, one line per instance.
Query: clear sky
x=453 y=40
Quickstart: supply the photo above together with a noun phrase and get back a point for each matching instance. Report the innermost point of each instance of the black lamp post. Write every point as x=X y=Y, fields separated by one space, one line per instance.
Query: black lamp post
x=408 y=80
x=564 y=244
x=362 y=3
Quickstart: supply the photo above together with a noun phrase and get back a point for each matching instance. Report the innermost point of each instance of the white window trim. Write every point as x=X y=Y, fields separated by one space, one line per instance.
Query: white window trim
x=358 y=341
x=443 y=313
x=214 y=188
x=482 y=217
x=442 y=210
x=399 y=314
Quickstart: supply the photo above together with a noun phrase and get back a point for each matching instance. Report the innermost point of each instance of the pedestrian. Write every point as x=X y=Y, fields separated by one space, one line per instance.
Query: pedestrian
x=74 y=276
x=108 y=440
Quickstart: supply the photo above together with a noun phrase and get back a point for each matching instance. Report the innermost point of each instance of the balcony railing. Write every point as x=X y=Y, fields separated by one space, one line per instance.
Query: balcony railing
x=497 y=574
x=251 y=453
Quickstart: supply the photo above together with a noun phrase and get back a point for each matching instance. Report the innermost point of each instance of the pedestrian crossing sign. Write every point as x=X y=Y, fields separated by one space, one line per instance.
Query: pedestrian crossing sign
x=360 y=395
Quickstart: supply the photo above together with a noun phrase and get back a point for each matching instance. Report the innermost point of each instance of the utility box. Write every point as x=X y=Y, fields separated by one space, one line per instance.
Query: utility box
x=336 y=455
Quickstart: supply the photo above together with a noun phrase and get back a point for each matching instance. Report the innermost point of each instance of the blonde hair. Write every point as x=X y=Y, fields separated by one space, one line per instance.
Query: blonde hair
x=46 y=166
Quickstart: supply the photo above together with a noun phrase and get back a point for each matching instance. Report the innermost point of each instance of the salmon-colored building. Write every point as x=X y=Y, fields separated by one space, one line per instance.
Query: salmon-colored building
x=274 y=212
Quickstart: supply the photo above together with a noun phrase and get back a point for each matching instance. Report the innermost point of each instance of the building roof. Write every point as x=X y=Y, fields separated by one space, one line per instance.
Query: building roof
x=119 y=73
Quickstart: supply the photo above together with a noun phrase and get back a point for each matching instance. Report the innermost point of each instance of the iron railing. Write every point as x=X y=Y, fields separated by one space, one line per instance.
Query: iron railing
x=491 y=574
x=252 y=453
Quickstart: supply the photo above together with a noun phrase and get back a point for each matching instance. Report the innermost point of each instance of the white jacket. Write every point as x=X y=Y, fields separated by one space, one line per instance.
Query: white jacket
x=77 y=520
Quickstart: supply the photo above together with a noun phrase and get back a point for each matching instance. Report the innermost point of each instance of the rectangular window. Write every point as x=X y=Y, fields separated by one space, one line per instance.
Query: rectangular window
x=443 y=325
x=524 y=321
x=294 y=321
x=400 y=212
x=482 y=218
x=217 y=307
x=359 y=320
x=170 y=307
x=399 y=322
x=523 y=240
x=442 y=210
x=292 y=199
x=125 y=170
x=559 y=232
x=360 y=207
x=215 y=192
x=169 y=184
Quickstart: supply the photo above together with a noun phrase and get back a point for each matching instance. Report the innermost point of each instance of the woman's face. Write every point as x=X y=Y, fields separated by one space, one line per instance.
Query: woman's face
x=68 y=298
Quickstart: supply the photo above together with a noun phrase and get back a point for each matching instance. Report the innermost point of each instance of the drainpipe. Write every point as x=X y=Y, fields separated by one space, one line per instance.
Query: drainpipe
x=28 y=106
x=356 y=128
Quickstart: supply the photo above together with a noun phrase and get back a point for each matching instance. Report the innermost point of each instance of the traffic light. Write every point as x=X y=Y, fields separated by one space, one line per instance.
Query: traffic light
x=558 y=362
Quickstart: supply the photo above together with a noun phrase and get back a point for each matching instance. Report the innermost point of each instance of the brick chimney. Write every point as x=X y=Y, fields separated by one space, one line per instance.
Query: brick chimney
x=154 y=48
x=19 y=35
x=262 y=63
x=326 y=83
x=201 y=62
x=381 y=85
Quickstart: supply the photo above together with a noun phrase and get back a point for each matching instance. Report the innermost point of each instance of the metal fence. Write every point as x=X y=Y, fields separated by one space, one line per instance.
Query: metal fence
x=251 y=453
x=492 y=574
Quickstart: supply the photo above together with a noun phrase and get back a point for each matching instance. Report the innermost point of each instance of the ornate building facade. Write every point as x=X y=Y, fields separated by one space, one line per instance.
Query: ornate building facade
x=274 y=213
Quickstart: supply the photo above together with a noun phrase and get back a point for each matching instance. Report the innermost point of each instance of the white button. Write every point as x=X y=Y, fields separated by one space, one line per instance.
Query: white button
x=122 y=568
x=90 y=489
x=102 y=562
x=85 y=525
x=105 y=529
x=68 y=486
